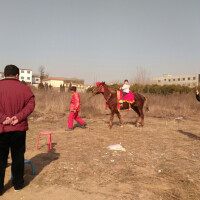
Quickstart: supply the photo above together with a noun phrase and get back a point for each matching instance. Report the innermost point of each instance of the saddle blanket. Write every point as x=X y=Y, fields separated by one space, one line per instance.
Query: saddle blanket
x=129 y=98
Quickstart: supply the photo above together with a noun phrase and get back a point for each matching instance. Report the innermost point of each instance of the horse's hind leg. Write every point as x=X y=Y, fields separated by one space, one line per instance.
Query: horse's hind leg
x=120 y=118
x=142 y=118
x=111 y=118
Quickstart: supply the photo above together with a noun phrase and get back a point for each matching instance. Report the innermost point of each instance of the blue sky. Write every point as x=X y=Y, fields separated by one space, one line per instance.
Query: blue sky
x=105 y=40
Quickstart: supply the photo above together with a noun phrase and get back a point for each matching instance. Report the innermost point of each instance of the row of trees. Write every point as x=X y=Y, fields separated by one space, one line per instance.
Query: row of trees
x=141 y=85
x=157 y=89
x=46 y=87
x=151 y=89
x=79 y=81
x=154 y=89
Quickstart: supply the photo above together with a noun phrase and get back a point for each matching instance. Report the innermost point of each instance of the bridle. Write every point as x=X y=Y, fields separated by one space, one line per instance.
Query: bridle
x=102 y=91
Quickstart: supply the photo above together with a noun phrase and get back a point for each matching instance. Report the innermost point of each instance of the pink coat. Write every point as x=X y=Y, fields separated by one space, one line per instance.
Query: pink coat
x=75 y=102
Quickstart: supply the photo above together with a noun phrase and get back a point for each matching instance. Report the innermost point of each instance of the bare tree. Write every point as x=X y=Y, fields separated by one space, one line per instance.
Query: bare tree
x=42 y=72
x=141 y=76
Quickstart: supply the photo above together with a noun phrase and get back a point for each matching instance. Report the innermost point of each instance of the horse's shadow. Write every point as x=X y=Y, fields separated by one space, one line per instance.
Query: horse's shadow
x=39 y=161
x=113 y=123
x=118 y=124
x=191 y=135
x=130 y=123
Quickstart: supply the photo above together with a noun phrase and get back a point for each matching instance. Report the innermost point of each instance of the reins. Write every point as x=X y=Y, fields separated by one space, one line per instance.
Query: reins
x=108 y=98
x=87 y=100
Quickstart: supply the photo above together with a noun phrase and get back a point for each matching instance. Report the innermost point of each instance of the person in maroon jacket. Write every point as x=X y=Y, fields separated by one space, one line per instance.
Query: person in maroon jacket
x=17 y=102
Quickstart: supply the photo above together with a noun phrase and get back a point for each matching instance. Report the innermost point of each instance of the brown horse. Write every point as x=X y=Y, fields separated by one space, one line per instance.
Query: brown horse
x=110 y=96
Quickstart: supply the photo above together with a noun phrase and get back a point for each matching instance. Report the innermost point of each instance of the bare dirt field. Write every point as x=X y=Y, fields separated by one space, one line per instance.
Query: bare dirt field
x=161 y=161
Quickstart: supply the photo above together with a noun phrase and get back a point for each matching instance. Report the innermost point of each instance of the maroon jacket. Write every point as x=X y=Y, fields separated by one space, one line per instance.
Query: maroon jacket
x=16 y=99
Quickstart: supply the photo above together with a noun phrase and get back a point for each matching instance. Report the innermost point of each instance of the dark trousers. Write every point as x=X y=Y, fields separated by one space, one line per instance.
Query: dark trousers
x=124 y=93
x=16 y=142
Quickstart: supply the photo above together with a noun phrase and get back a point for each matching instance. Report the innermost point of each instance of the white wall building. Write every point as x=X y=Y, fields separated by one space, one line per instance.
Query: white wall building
x=1 y=75
x=54 y=82
x=80 y=87
x=192 y=80
x=35 y=79
x=25 y=75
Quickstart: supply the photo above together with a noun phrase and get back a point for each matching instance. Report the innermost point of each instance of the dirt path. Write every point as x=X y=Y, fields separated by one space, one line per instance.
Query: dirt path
x=161 y=161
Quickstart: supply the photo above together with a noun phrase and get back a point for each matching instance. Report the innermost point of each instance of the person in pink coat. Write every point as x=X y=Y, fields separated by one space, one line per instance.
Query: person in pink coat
x=74 y=109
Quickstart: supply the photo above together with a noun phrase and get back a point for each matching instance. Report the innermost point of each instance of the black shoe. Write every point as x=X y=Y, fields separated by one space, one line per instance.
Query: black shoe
x=18 y=188
x=1 y=190
x=69 y=129
x=84 y=125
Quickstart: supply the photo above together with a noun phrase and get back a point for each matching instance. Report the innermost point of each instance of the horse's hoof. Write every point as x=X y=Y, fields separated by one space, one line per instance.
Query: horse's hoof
x=121 y=126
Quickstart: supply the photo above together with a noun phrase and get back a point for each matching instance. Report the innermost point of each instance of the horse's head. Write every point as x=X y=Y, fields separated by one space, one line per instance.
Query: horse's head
x=99 y=89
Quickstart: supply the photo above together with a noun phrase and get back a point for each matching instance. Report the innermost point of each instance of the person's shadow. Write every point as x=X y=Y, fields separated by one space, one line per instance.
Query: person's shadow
x=39 y=161
x=191 y=135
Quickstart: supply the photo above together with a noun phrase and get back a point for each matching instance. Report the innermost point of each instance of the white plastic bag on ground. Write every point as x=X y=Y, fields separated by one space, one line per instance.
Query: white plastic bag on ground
x=116 y=147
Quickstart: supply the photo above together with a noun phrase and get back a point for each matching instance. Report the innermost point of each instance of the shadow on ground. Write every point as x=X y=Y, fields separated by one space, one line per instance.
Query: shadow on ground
x=39 y=161
x=190 y=135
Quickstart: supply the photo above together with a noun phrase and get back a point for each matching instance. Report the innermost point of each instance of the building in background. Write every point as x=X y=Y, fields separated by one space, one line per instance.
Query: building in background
x=1 y=75
x=80 y=87
x=25 y=75
x=192 y=80
x=35 y=79
x=57 y=82
x=54 y=82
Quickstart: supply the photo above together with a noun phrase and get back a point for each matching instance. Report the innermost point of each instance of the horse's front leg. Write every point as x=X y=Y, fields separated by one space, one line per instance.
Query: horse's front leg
x=142 y=118
x=137 y=120
x=111 y=119
x=120 y=119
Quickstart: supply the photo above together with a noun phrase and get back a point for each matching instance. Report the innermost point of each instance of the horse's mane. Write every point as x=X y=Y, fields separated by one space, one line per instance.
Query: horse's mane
x=111 y=89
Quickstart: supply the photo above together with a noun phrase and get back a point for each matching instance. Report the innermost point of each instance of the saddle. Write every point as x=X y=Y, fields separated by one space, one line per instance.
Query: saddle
x=129 y=98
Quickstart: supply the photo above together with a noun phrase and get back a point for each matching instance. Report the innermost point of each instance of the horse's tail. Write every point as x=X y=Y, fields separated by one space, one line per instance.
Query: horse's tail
x=146 y=105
